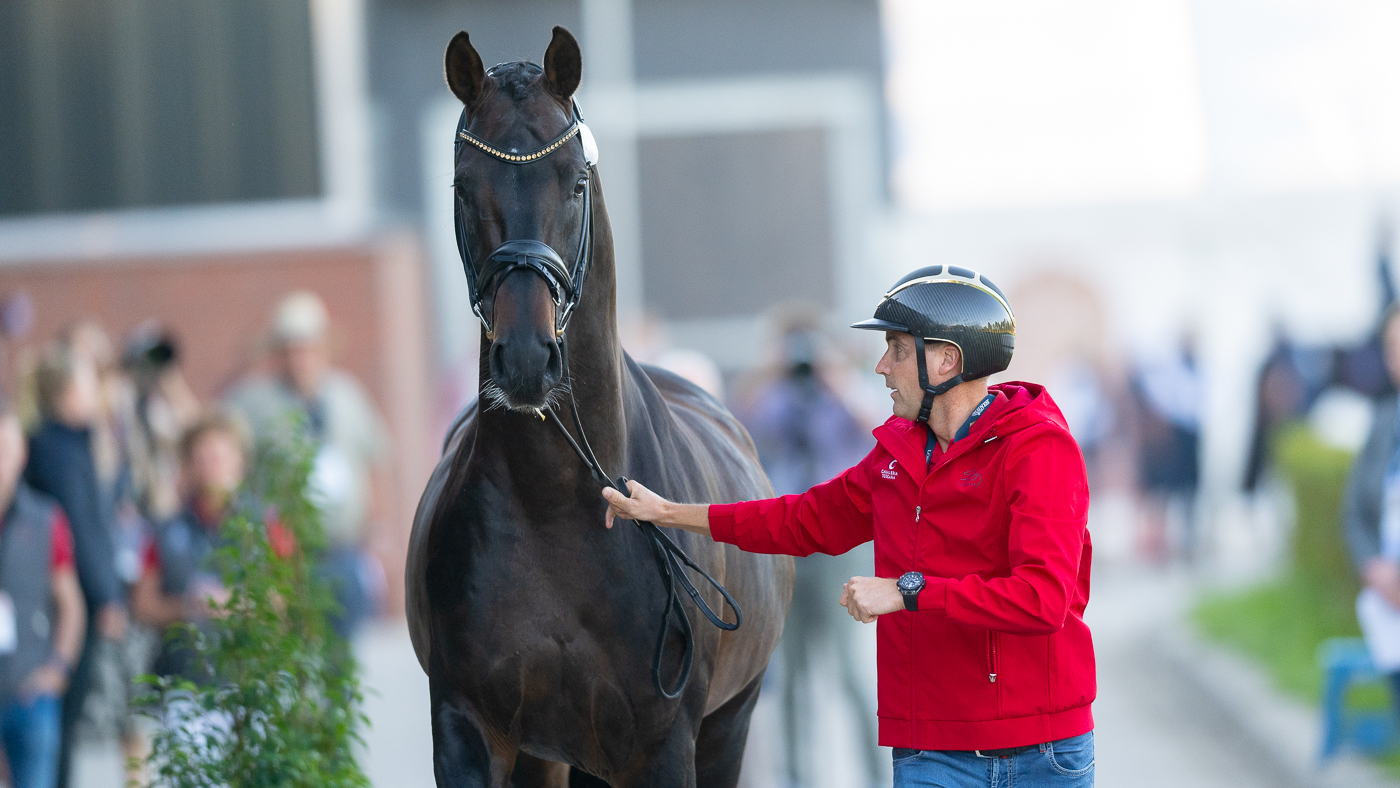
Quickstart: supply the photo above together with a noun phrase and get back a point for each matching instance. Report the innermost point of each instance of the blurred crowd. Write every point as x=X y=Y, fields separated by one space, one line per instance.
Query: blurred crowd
x=115 y=479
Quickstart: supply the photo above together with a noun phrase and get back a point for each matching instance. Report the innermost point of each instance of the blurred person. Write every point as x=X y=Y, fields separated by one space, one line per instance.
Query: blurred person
x=348 y=477
x=164 y=406
x=649 y=342
x=61 y=464
x=177 y=580
x=42 y=617
x=118 y=438
x=805 y=435
x=977 y=501
x=1168 y=393
x=1371 y=519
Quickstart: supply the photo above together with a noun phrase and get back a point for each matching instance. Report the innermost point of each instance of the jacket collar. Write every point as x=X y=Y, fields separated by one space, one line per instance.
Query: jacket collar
x=1018 y=405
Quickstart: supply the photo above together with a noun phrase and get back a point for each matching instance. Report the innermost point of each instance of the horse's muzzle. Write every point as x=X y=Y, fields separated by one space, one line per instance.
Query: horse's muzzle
x=526 y=369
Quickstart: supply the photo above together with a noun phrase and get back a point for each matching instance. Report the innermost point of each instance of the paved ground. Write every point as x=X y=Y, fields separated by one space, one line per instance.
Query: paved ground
x=1154 y=727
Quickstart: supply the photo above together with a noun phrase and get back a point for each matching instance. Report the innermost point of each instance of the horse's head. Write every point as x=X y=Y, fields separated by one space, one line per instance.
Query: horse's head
x=523 y=185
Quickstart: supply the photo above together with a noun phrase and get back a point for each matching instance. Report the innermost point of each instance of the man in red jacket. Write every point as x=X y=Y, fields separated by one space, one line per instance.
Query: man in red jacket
x=977 y=501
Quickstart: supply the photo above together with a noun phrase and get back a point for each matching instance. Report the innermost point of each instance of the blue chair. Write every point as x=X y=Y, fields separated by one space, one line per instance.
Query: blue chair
x=1345 y=662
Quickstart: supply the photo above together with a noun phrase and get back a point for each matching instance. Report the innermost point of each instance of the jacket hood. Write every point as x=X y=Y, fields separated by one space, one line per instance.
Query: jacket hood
x=1018 y=405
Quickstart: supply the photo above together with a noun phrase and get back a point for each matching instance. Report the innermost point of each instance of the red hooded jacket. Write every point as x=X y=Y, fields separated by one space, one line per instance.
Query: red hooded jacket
x=997 y=654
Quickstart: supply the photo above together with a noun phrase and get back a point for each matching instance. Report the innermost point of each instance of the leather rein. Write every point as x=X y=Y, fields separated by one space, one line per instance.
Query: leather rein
x=566 y=287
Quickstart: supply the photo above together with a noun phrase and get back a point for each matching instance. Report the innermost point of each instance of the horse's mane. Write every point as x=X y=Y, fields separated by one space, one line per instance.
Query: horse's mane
x=516 y=80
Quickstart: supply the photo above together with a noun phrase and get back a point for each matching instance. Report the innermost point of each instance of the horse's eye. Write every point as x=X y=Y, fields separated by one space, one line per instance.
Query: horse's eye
x=580 y=187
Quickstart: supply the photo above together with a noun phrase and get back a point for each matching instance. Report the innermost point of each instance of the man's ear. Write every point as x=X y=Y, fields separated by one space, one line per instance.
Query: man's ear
x=950 y=359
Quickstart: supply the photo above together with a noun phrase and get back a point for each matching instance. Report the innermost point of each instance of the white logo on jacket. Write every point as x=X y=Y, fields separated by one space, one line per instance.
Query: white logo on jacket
x=890 y=472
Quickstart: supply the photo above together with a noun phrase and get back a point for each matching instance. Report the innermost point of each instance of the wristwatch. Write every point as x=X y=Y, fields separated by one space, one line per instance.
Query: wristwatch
x=910 y=584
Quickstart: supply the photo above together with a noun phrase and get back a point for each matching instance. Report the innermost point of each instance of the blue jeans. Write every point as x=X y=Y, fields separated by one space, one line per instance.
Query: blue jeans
x=31 y=734
x=1067 y=763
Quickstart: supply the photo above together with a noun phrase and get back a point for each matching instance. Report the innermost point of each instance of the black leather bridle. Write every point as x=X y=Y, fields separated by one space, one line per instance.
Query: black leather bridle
x=566 y=287
x=565 y=284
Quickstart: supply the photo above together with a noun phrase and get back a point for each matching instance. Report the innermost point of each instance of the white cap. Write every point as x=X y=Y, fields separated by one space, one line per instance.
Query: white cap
x=301 y=317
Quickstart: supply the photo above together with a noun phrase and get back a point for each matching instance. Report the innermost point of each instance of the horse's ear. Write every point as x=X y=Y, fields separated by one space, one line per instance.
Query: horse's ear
x=465 y=74
x=563 y=64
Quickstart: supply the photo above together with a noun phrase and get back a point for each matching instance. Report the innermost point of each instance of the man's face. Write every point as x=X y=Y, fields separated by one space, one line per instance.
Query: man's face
x=13 y=452
x=900 y=368
x=304 y=364
x=215 y=463
x=81 y=401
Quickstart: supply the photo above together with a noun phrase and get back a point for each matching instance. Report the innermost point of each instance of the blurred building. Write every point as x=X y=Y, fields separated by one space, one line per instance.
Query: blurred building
x=742 y=148
x=192 y=162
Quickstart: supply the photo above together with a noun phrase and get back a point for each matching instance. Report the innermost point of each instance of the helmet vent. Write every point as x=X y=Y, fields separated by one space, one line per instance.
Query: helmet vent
x=993 y=287
x=965 y=273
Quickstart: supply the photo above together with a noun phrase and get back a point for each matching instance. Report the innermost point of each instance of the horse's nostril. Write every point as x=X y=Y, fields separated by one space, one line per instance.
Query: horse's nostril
x=498 y=349
x=555 y=366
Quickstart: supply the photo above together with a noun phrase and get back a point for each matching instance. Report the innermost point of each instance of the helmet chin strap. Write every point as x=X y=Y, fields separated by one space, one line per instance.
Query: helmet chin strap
x=930 y=391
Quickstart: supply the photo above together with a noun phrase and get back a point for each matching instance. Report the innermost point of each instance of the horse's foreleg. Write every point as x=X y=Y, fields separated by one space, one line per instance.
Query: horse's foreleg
x=531 y=772
x=672 y=765
x=463 y=757
x=719 y=750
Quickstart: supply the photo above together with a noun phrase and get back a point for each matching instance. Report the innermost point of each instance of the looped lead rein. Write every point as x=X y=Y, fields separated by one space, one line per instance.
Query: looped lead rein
x=669 y=558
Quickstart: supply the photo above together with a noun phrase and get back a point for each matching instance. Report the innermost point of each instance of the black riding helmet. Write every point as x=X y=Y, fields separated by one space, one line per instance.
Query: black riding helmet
x=949 y=304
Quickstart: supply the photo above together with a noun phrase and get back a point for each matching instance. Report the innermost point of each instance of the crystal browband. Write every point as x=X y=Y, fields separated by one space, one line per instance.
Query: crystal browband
x=520 y=158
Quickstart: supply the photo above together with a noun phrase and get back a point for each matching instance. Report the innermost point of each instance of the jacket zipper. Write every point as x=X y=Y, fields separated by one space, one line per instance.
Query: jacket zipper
x=913 y=624
x=991 y=657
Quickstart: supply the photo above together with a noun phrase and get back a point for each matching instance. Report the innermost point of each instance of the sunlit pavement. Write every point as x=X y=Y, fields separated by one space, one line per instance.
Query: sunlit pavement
x=1155 y=728
x=399 y=741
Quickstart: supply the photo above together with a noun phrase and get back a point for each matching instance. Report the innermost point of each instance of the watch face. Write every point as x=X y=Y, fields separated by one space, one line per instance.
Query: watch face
x=910 y=581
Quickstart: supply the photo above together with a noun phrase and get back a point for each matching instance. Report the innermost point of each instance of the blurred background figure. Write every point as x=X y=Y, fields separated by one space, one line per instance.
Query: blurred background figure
x=62 y=464
x=177 y=581
x=352 y=449
x=163 y=406
x=1169 y=392
x=649 y=342
x=1371 y=516
x=42 y=617
x=116 y=437
x=805 y=435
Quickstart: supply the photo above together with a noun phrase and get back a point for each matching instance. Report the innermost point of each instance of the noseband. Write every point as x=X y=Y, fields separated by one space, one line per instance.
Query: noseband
x=565 y=284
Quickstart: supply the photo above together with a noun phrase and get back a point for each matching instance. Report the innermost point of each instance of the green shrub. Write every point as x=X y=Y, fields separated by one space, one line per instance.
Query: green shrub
x=1317 y=474
x=1281 y=622
x=281 y=706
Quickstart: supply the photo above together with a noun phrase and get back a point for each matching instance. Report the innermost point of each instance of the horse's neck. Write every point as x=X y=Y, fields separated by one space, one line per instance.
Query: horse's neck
x=597 y=376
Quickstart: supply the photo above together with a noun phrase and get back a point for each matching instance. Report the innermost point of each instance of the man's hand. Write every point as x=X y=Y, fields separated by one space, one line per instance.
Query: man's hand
x=47 y=679
x=1383 y=575
x=643 y=505
x=647 y=505
x=866 y=598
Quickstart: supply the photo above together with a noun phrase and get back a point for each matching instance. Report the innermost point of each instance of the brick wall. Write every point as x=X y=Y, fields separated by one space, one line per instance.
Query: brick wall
x=219 y=306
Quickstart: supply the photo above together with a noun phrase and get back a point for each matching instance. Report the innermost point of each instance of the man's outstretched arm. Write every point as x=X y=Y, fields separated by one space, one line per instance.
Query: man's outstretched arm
x=647 y=505
x=830 y=518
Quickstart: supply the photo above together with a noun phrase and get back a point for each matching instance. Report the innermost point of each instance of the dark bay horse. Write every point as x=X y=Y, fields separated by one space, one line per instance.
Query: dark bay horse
x=535 y=625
